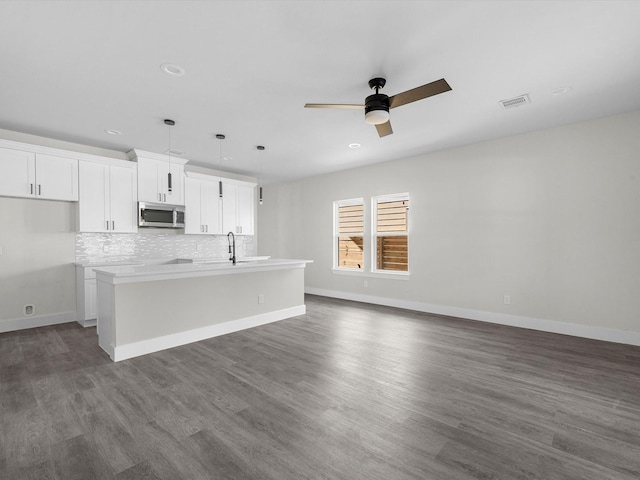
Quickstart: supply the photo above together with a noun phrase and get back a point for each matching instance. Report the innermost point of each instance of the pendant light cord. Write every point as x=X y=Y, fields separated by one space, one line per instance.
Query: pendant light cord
x=169 y=123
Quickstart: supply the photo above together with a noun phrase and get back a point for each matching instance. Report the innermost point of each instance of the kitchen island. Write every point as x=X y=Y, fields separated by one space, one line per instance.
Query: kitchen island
x=147 y=308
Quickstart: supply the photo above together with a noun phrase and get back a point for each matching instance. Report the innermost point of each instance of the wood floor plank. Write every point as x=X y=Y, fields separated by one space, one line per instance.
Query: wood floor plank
x=348 y=391
x=140 y=471
x=26 y=437
x=78 y=459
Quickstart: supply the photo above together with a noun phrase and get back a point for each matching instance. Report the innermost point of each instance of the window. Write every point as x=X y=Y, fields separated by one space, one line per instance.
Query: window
x=349 y=234
x=390 y=236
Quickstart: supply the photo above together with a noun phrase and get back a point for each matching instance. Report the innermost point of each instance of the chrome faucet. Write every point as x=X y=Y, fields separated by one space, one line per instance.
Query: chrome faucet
x=232 y=256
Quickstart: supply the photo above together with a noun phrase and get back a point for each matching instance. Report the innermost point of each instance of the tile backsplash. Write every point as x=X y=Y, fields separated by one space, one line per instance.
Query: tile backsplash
x=107 y=247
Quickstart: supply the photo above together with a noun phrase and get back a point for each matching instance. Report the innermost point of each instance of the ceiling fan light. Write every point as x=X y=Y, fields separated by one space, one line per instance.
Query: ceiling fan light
x=376 y=117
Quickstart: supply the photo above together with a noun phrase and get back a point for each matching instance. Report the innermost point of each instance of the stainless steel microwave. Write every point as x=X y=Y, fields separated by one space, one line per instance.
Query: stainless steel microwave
x=160 y=215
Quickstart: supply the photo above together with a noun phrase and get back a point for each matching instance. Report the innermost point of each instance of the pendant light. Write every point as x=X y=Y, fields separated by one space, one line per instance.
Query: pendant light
x=260 y=148
x=220 y=137
x=170 y=123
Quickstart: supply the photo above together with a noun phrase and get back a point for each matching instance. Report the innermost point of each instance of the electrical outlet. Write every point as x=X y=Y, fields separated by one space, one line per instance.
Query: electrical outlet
x=29 y=309
x=261 y=298
x=507 y=299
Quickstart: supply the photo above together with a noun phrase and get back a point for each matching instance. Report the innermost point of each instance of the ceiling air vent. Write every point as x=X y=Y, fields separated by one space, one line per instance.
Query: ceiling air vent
x=515 y=102
x=173 y=151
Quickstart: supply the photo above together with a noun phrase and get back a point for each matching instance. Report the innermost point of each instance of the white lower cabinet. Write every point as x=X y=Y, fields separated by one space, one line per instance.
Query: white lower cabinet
x=202 y=206
x=108 y=197
x=87 y=293
x=86 y=296
x=238 y=207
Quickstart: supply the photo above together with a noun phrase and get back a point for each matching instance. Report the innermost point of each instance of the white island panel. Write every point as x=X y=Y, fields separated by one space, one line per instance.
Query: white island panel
x=139 y=314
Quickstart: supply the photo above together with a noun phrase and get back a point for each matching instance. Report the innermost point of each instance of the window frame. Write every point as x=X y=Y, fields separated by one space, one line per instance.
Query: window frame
x=336 y=236
x=394 y=197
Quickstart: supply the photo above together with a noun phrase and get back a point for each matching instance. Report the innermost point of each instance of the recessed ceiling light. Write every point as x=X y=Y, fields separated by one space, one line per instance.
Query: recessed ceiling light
x=354 y=145
x=173 y=70
x=113 y=132
x=561 y=91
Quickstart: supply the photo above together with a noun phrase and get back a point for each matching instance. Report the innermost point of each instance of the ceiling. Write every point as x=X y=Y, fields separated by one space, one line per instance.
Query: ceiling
x=71 y=70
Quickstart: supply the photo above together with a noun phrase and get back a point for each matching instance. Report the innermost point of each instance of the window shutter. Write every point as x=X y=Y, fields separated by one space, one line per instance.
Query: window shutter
x=350 y=236
x=392 y=246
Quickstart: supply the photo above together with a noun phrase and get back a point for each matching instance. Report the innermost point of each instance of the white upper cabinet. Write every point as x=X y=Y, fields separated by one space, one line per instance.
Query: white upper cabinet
x=56 y=177
x=123 y=195
x=17 y=173
x=38 y=175
x=202 y=206
x=94 y=206
x=153 y=181
x=238 y=207
x=108 y=197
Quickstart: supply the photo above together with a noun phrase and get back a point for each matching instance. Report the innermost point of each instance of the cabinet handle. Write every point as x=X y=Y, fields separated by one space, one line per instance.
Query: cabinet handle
x=113 y=224
x=31 y=189
x=165 y=197
x=206 y=228
x=107 y=224
x=159 y=197
x=39 y=189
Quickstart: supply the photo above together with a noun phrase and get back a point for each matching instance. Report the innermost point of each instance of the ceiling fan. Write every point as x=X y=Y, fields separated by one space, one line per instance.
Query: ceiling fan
x=376 y=106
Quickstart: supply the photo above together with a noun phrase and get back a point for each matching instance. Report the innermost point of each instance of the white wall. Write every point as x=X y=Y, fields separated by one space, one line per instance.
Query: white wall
x=551 y=218
x=37 y=238
x=38 y=250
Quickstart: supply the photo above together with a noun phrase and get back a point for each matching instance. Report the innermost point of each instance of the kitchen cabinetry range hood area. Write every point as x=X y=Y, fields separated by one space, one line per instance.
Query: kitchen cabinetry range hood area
x=118 y=196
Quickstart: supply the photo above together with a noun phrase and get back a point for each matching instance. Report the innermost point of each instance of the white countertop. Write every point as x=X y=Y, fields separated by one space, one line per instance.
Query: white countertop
x=90 y=264
x=219 y=260
x=146 y=273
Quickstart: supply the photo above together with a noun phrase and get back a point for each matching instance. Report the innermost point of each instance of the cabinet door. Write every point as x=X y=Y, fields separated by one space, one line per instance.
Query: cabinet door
x=148 y=181
x=192 y=215
x=245 y=209
x=153 y=182
x=210 y=207
x=229 y=207
x=93 y=205
x=56 y=177
x=91 y=299
x=17 y=173
x=122 y=196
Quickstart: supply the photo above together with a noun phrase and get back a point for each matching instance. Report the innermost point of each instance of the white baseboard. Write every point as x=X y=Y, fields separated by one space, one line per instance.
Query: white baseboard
x=130 y=350
x=39 y=321
x=552 y=326
x=88 y=323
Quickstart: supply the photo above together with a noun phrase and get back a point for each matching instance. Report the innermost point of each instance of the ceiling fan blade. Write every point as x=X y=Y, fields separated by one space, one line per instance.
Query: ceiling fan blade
x=331 y=105
x=418 y=93
x=384 y=129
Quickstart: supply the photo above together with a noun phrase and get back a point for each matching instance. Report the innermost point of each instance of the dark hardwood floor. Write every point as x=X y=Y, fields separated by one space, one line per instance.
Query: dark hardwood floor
x=347 y=391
